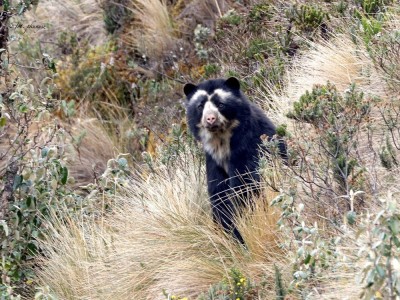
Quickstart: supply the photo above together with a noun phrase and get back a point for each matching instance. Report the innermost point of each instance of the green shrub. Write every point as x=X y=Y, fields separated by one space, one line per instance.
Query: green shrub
x=337 y=121
x=211 y=69
x=116 y=14
x=373 y=6
x=201 y=35
x=385 y=50
x=258 y=48
x=35 y=176
x=236 y=287
x=381 y=250
x=307 y=17
x=231 y=18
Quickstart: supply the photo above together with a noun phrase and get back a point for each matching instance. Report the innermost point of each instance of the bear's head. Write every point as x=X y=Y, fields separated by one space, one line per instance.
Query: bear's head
x=214 y=105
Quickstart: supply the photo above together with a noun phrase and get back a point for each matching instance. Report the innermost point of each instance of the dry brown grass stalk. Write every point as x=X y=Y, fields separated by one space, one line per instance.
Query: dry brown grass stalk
x=85 y=18
x=337 y=60
x=153 y=32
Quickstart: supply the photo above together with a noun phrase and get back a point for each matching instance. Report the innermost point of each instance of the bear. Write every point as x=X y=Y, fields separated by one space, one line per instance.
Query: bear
x=230 y=129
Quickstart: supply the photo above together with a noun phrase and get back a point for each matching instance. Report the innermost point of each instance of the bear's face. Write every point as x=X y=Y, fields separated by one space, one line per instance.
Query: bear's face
x=213 y=105
x=213 y=111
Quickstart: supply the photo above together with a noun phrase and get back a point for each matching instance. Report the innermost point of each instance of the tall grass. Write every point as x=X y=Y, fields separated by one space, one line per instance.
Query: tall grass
x=85 y=18
x=338 y=60
x=152 y=33
x=159 y=237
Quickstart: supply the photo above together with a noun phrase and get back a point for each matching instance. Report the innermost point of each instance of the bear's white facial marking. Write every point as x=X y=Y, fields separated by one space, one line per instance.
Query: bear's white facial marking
x=222 y=94
x=197 y=95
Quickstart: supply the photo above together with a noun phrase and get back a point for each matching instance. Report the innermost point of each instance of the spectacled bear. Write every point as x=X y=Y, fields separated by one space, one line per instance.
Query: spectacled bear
x=229 y=127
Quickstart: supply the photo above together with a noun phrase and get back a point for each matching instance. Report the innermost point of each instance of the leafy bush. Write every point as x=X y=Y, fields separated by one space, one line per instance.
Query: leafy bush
x=231 y=17
x=35 y=176
x=236 y=287
x=201 y=35
x=373 y=6
x=381 y=249
x=307 y=17
x=385 y=51
x=116 y=14
x=337 y=120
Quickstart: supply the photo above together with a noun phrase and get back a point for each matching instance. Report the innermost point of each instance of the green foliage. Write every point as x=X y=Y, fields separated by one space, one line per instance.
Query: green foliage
x=116 y=14
x=260 y=12
x=313 y=253
x=281 y=130
x=21 y=7
x=385 y=51
x=40 y=178
x=68 y=42
x=279 y=287
x=210 y=70
x=115 y=176
x=42 y=183
x=342 y=7
x=178 y=144
x=236 y=287
x=382 y=251
x=337 y=120
x=307 y=17
x=201 y=35
x=373 y=6
x=388 y=156
x=370 y=28
x=258 y=48
x=231 y=18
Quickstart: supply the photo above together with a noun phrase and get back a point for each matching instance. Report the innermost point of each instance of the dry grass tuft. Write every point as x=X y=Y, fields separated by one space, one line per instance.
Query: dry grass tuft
x=153 y=32
x=160 y=236
x=90 y=147
x=337 y=60
x=85 y=18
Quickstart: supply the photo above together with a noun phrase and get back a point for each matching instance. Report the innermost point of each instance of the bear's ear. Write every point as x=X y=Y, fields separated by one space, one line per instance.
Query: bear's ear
x=232 y=83
x=189 y=88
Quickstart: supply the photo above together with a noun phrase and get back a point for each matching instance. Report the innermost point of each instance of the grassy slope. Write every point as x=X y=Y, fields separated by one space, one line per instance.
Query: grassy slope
x=159 y=235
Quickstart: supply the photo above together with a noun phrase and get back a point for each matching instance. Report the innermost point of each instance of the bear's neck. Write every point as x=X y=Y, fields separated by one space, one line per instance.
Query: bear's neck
x=218 y=144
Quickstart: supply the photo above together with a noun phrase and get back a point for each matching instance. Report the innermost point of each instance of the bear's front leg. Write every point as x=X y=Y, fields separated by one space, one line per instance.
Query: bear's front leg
x=223 y=209
x=244 y=178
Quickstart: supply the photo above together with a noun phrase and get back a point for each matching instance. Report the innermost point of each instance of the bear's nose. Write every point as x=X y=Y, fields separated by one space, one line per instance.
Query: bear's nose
x=211 y=119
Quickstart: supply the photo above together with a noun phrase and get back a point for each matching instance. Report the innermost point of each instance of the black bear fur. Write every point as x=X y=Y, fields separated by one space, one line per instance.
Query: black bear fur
x=230 y=128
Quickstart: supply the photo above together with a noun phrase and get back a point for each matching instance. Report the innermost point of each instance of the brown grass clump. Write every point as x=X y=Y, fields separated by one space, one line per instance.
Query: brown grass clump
x=85 y=18
x=159 y=236
x=337 y=60
x=153 y=32
x=90 y=148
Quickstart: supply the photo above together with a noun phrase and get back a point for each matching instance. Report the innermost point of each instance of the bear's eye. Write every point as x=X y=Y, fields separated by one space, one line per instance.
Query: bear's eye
x=221 y=105
x=200 y=106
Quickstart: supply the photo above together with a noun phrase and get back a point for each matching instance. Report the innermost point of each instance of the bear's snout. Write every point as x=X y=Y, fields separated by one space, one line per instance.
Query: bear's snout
x=211 y=118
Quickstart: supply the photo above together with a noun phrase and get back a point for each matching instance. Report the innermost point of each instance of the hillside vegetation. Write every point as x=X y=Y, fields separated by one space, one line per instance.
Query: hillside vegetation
x=103 y=190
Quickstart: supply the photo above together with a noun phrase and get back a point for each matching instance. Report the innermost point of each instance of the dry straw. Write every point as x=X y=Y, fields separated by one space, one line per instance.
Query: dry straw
x=153 y=32
x=160 y=236
x=85 y=18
